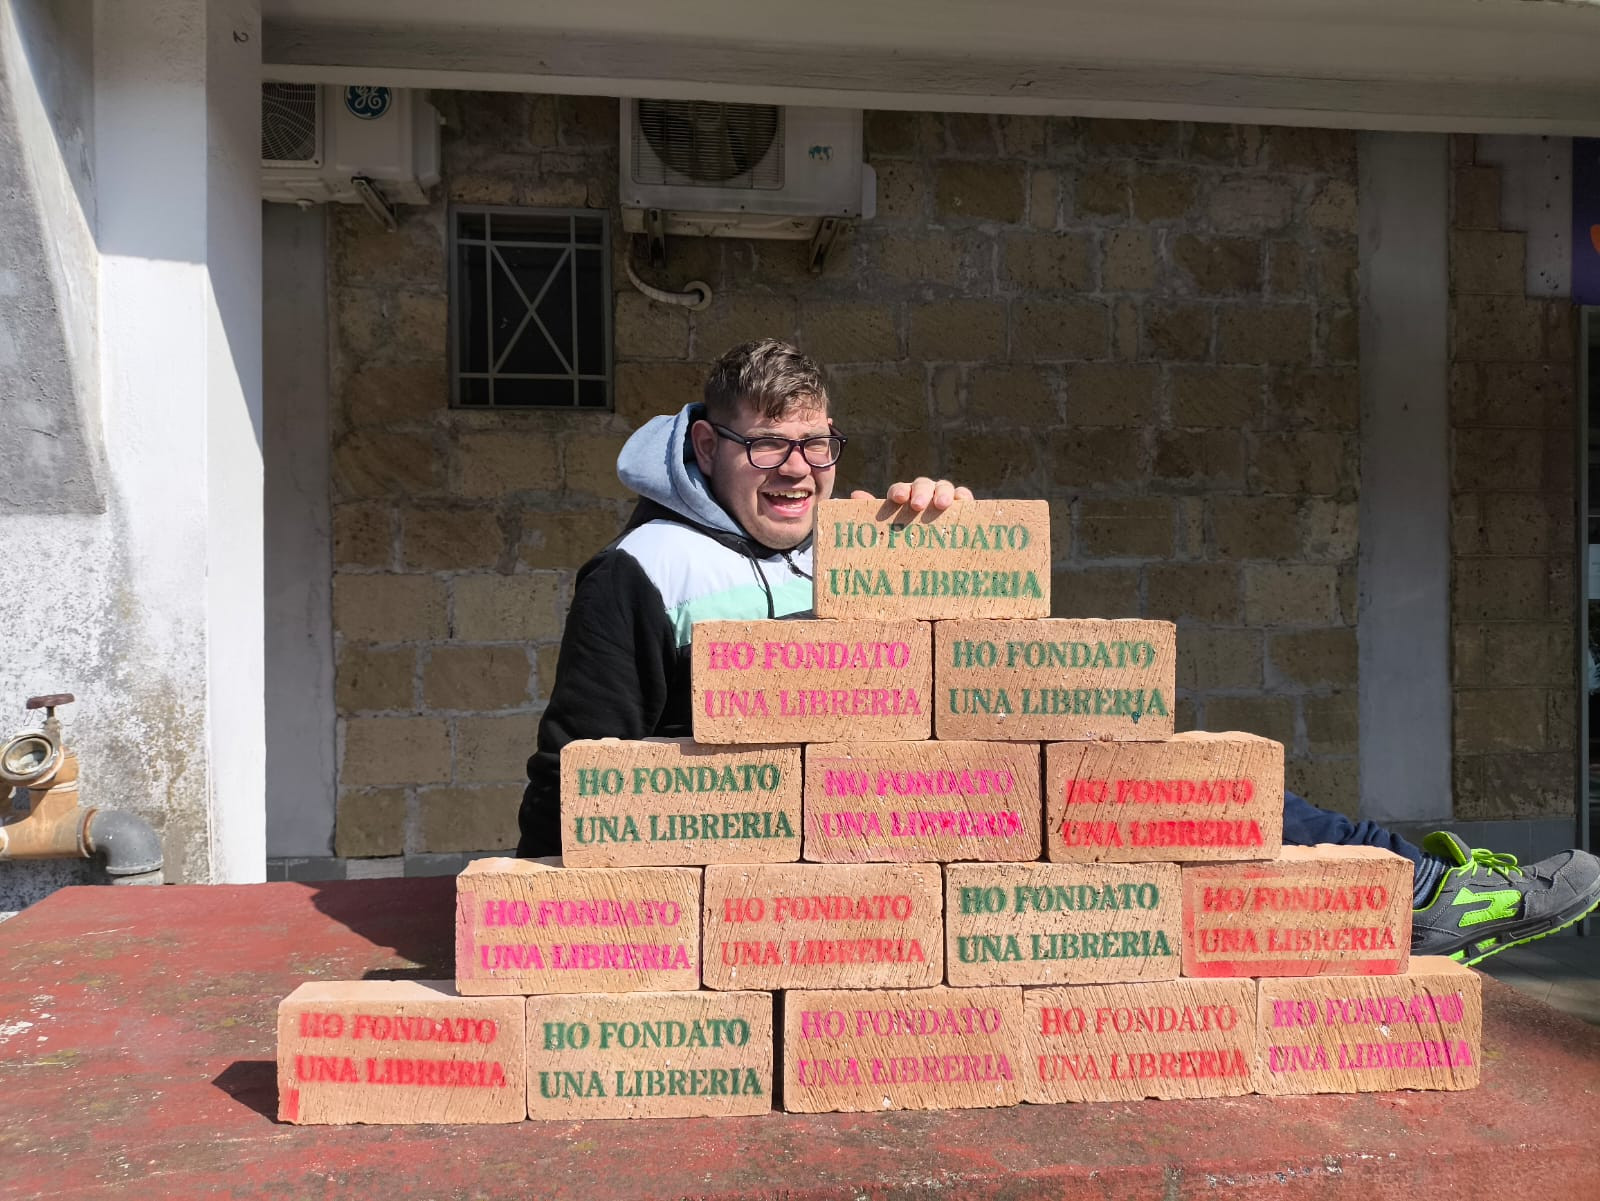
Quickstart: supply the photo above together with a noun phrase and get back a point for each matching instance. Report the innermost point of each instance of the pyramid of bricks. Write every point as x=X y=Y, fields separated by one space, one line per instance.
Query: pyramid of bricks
x=931 y=849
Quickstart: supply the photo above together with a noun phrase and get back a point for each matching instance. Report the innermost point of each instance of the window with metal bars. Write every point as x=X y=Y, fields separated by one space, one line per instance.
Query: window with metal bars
x=530 y=308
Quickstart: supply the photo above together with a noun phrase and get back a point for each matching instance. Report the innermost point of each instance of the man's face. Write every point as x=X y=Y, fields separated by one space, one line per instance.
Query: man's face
x=776 y=506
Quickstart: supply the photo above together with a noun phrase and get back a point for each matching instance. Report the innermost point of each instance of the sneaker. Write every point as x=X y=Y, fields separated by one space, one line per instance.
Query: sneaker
x=1486 y=903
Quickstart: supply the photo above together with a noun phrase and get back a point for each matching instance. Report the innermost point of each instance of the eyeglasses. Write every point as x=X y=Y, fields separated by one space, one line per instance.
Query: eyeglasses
x=769 y=452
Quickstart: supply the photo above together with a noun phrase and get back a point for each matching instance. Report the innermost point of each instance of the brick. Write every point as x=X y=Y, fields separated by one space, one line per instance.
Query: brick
x=370 y=679
x=1227 y=397
x=377 y=395
x=849 y=333
x=669 y=801
x=399 y=1052
x=1277 y=333
x=1331 y=783
x=1137 y=139
x=826 y=925
x=1250 y=205
x=374 y=463
x=1162 y=195
x=1048 y=262
x=986 y=191
x=476 y=677
x=1497 y=459
x=1340 y=336
x=891 y=133
x=1213 y=458
x=1255 y=527
x=526 y=926
x=1013 y=396
x=1141 y=527
x=650 y=1055
x=953 y=261
x=394 y=750
x=1333 y=208
x=1306 y=462
x=1513 y=786
x=481 y=818
x=929 y=1048
x=503 y=462
x=921 y=802
x=1491 y=327
x=1531 y=654
x=1334 y=910
x=1196 y=796
x=1102 y=191
x=642 y=391
x=971 y=133
x=1021 y=136
x=1507 y=523
x=988 y=558
x=969 y=330
x=1193 y=592
x=1320 y=397
x=1301 y=148
x=1129 y=264
x=370 y=824
x=1286 y=269
x=391 y=325
x=647 y=330
x=1330 y=530
x=1111 y=394
x=1219 y=266
x=902 y=190
x=450 y=539
x=1066 y=330
x=1289 y=595
x=591 y=466
x=388 y=608
x=1061 y=923
x=1313 y=657
x=1333 y=724
x=1125 y=1042
x=507 y=608
x=1053 y=679
x=755 y=681
x=1337 y=268
x=1086 y=458
x=734 y=321
x=1211 y=659
x=1234 y=145
x=494 y=749
x=1499 y=719
x=1499 y=589
x=1347 y=1034
x=1477 y=197
x=565 y=539
x=1269 y=716
x=1044 y=198
x=1092 y=592
x=363 y=535
x=1177 y=332
x=890 y=399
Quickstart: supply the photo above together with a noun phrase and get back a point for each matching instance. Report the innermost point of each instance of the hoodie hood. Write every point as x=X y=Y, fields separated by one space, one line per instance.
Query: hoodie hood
x=658 y=463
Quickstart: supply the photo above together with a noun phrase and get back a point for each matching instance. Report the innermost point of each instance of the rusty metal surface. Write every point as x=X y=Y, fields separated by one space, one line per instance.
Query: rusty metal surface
x=136 y=1047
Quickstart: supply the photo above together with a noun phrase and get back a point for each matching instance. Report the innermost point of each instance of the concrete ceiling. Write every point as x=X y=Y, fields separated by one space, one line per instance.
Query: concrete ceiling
x=1480 y=65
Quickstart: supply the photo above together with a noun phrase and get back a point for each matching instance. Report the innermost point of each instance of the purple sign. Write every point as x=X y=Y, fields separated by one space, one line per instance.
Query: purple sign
x=1586 y=220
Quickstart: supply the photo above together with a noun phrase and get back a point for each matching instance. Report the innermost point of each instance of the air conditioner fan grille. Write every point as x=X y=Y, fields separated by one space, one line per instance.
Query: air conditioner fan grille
x=289 y=123
x=708 y=144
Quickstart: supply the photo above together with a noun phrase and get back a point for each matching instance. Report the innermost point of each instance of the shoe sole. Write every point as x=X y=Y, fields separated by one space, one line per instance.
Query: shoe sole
x=1462 y=957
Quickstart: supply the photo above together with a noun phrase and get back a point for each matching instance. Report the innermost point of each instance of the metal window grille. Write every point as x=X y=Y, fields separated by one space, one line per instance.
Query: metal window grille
x=530 y=308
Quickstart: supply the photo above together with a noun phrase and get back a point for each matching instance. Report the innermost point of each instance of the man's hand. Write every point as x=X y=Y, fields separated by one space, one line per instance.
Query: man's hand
x=921 y=493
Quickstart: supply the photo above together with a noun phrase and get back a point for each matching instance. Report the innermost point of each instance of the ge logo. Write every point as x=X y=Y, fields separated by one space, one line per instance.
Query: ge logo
x=367 y=103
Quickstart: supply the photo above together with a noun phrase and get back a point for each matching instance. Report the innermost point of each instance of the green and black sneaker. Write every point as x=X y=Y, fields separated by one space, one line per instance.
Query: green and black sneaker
x=1486 y=903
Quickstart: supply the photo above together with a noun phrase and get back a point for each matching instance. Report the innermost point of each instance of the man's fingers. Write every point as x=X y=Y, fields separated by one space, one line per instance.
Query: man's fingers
x=964 y=493
x=899 y=493
x=860 y=494
x=921 y=494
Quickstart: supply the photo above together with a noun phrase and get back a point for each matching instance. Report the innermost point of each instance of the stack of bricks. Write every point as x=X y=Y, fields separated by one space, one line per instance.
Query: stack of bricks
x=929 y=850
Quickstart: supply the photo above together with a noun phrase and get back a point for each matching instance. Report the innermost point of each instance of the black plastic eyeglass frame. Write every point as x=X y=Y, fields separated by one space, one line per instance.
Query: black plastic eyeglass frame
x=791 y=445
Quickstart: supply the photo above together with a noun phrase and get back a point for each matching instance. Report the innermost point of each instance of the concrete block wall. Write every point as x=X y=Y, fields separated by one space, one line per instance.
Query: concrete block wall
x=1514 y=462
x=1150 y=324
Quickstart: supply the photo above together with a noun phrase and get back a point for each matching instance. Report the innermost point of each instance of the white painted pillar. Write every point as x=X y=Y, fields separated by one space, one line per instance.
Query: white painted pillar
x=177 y=114
x=1404 y=560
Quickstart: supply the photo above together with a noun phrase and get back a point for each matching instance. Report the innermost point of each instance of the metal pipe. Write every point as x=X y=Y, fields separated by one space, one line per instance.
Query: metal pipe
x=131 y=846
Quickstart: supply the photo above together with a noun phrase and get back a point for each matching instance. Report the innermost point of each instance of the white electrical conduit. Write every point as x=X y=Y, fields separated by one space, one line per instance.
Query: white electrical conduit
x=696 y=294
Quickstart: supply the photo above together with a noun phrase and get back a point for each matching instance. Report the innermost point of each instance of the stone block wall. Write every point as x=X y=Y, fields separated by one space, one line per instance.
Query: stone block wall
x=1513 y=480
x=1150 y=324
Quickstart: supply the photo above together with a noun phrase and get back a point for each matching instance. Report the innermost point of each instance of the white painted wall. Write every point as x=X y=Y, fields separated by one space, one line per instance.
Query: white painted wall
x=300 y=713
x=1403 y=622
x=1536 y=198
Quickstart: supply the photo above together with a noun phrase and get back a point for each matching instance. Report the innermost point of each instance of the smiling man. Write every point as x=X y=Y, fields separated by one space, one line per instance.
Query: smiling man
x=729 y=492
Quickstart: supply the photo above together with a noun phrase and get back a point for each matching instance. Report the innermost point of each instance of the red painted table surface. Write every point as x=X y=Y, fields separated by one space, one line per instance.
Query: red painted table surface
x=136 y=1049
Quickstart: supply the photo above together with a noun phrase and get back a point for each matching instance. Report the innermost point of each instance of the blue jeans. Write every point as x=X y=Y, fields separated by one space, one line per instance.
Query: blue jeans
x=1304 y=825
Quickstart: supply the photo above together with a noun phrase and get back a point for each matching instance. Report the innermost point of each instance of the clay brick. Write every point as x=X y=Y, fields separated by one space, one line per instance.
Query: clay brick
x=948 y=260
x=1053 y=679
x=1044 y=198
x=1323 y=910
x=750 y=681
x=986 y=191
x=1111 y=394
x=902 y=190
x=1210 y=659
x=507 y=608
x=1162 y=195
x=1306 y=149
x=1061 y=923
x=1250 y=205
x=1269 y=716
x=1129 y=263
x=891 y=133
x=645 y=390
x=1499 y=719
x=978 y=558
x=1332 y=723
x=1048 y=262
x=1141 y=527
x=370 y=824
x=1084 y=458
x=1137 y=139
x=1493 y=327
x=1102 y=191
x=502 y=462
x=730 y=322
x=476 y=677
x=1313 y=657
x=1066 y=330
x=1229 y=397
x=650 y=1055
x=494 y=749
x=1350 y=1034
x=1333 y=208
x=482 y=818
x=1125 y=1042
x=1305 y=462
x=921 y=802
x=1330 y=530
x=384 y=395
x=450 y=539
x=373 y=463
x=1255 y=527
x=1219 y=266
x=669 y=801
x=1013 y=396
x=368 y=679
x=1286 y=269
x=849 y=333
x=1021 y=136
x=591 y=466
x=566 y=539
x=804 y=925
x=927 y=1048
x=395 y=750
x=1279 y=333
x=1212 y=458
x=1477 y=197
x=1095 y=592
x=526 y=926
x=399 y=1052
x=960 y=330
x=1197 y=796
x=647 y=330
x=1337 y=268
x=871 y=400
x=1177 y=332
x=1193 y=592
x=1291 y=595
x=363 y=535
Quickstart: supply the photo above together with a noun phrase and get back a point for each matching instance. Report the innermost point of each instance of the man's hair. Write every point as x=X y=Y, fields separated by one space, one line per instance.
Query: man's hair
x=771 y=376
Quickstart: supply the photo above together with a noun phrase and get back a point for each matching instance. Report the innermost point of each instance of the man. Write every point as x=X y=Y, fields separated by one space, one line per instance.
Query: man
x=730 y=490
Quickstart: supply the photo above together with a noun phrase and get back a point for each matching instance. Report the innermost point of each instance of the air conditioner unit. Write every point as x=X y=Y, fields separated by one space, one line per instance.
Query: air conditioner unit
x=322 y=143
x=741 y=170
